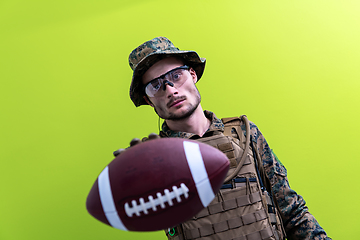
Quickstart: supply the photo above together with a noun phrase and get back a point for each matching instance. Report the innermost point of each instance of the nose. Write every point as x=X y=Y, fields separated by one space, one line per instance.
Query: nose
x=167 y=82
x=169 y=89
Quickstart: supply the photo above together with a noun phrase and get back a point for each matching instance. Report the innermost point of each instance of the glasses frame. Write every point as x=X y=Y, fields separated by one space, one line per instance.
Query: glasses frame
x=185 y=67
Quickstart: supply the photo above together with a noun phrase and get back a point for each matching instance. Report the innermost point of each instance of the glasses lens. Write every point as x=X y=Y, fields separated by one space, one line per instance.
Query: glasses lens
x=153 y=87
x=176 y=76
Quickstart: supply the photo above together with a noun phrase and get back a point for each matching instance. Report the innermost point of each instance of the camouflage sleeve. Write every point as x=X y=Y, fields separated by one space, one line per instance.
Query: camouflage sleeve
x=298 y=222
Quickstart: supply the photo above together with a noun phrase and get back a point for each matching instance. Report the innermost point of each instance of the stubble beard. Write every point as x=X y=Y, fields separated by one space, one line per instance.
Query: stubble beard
x=181 y=116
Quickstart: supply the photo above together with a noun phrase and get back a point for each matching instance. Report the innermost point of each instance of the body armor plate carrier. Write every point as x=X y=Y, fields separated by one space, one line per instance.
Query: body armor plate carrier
x=244 y=208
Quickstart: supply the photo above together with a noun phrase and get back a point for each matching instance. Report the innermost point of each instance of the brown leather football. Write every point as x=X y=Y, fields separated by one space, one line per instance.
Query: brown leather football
x=157 y=184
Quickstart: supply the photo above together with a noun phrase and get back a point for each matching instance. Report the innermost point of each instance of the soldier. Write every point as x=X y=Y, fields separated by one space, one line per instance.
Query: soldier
x=256 y=201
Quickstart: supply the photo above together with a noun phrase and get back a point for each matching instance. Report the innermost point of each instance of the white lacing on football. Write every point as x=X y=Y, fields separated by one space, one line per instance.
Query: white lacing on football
x=160 y=200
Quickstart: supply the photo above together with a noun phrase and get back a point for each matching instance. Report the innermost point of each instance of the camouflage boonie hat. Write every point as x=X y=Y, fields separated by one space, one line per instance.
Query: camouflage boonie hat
x=148 y=53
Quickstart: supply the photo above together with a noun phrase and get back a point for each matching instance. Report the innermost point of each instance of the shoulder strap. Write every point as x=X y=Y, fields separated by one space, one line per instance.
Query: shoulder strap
x=234 y=123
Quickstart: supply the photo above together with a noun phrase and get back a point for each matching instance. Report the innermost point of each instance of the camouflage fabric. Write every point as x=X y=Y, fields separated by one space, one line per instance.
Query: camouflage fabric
x=148 y=53
x=298 y=222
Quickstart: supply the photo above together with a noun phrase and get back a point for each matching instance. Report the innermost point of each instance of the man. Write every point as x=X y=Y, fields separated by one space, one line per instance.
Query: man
x=164 y=78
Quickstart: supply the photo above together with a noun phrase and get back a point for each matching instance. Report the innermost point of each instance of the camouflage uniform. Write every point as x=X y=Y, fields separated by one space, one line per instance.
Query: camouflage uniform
x=298 y=222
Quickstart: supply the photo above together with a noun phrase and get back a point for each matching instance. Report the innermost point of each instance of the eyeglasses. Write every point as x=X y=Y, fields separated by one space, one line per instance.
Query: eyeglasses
x=174 y=78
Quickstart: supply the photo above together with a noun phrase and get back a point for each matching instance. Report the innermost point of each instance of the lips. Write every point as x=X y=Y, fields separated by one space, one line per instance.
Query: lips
x=175 y=101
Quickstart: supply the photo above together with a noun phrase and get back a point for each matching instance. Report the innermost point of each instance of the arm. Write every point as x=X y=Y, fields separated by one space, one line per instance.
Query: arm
x=298 y=222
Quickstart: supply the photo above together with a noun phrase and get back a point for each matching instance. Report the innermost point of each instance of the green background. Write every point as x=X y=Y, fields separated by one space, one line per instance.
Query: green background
x=291 y=66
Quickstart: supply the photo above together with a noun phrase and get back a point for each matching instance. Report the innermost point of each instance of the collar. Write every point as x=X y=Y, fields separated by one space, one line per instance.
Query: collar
x=216 y=125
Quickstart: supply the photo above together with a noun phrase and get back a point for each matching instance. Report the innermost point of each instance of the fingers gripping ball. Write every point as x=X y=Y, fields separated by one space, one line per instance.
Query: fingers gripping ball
x=135 y=141
x=157 y=184
x=152 y=136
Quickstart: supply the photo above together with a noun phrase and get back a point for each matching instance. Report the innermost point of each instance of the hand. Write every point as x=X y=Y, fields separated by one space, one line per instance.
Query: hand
x=135 y=141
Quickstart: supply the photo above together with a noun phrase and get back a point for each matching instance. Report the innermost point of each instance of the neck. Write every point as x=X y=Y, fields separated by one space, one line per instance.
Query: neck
x=196 y=123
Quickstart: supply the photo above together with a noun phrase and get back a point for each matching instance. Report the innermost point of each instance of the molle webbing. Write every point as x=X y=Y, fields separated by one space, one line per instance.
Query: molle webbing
x=243 y=209
x=234 y=223
x=265 y=233
x=229 y=204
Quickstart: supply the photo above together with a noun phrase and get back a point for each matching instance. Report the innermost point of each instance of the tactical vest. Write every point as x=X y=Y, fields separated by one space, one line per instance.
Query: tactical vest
x=244 y=208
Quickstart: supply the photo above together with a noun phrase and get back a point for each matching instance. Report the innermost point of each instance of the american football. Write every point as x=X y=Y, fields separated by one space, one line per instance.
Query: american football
x=157 y=184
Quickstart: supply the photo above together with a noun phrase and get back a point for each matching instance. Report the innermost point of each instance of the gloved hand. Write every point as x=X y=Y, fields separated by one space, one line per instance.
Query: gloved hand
x=135 y=141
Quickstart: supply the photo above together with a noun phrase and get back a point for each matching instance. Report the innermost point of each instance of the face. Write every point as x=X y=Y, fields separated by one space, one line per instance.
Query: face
x=175 y=103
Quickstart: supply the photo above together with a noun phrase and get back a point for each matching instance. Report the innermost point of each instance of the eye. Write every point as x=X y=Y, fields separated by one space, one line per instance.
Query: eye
x=155 y=84
x=176 y=75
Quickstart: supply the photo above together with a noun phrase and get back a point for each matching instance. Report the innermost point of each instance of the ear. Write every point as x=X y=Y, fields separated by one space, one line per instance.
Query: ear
x=148 y=100
x=193 y=74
